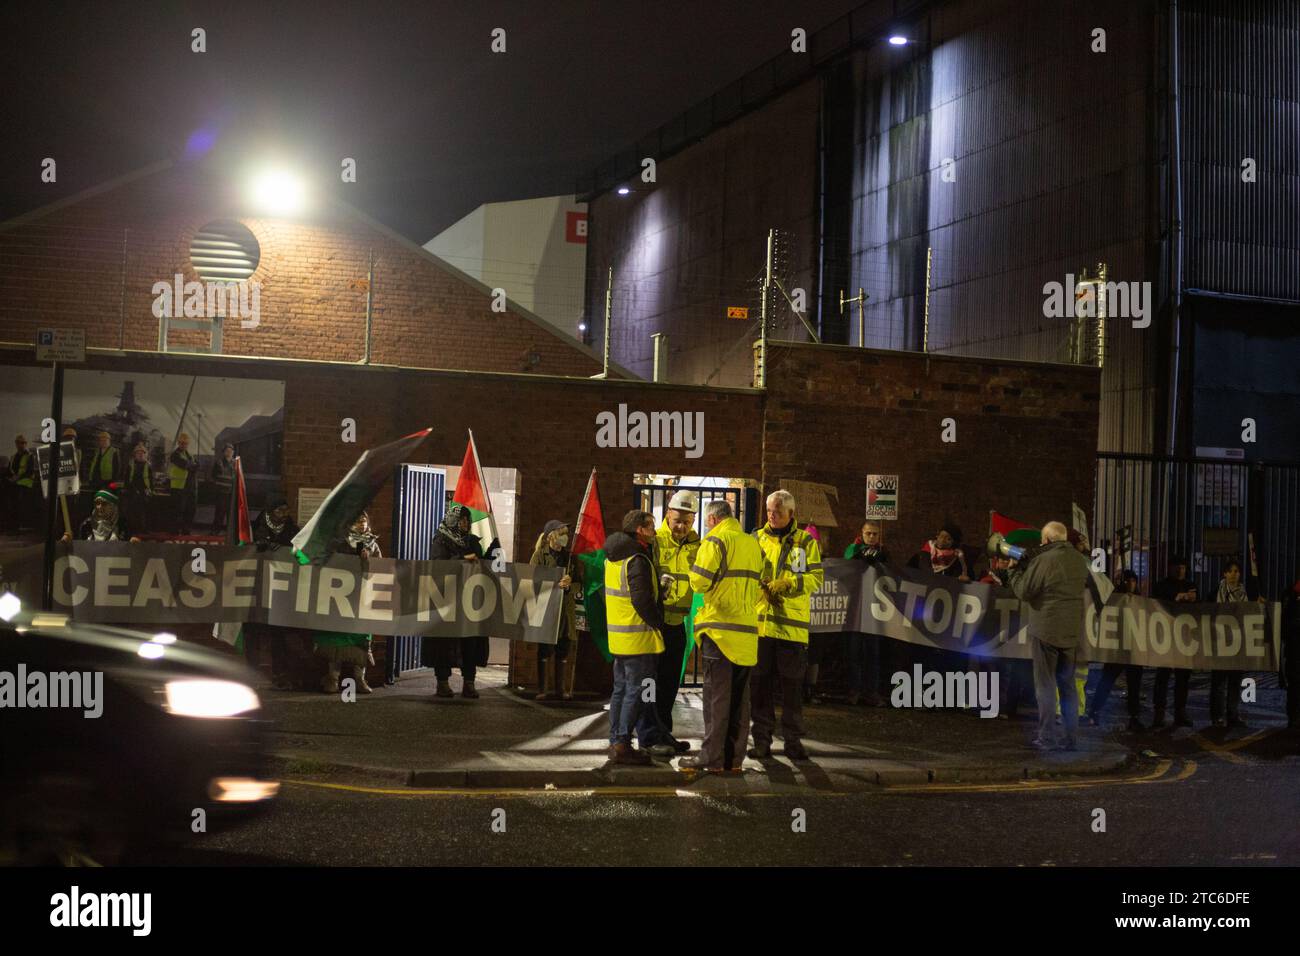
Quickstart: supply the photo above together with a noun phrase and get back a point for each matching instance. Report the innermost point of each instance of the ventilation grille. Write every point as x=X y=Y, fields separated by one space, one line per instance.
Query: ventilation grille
x=224 y=251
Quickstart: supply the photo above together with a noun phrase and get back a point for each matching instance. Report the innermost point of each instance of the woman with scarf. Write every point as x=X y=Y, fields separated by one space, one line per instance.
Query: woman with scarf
x=943 y=555
x=338 y=648
x=1225 y=686
x=552 y=551
x=105 y=522
x=862 y=652
x=454 y=542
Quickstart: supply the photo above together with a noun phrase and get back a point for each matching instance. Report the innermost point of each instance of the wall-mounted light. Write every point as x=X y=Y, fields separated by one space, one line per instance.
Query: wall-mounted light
x=623 y=190
x=898 y=40
x=278 y=192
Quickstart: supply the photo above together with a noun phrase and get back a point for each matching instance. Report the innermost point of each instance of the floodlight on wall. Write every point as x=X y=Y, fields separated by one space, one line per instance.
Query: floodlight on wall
x=623 y=190
x=898 y=40
x=278 y=192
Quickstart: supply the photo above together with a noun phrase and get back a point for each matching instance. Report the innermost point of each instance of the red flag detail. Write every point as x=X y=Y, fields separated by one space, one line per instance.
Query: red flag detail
x=589 y=535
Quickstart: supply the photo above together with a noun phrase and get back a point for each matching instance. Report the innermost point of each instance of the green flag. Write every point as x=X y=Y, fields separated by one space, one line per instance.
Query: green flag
x=593 y=598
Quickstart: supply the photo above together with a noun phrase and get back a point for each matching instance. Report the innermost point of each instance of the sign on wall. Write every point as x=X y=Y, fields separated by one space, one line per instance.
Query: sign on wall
x=882 y=497
x=575 y=227
x=309 y=502
x=60 y=345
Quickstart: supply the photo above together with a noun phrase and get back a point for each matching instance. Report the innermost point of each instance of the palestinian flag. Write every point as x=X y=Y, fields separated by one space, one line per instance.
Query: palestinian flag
x=472 y=492
x=588 y=550
x=344 y=504
x=239 y=532
x=1017 y=533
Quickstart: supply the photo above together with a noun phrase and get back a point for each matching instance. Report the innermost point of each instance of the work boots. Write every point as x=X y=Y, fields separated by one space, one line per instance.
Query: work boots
x=444 y=688
x=467 y=689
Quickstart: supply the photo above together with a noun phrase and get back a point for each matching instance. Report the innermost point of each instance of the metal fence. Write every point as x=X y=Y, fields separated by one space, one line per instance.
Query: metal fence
x=1206 y=511
x=418 y=506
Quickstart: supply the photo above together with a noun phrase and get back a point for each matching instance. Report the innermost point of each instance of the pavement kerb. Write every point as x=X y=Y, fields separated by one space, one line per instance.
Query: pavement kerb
x=664 y=776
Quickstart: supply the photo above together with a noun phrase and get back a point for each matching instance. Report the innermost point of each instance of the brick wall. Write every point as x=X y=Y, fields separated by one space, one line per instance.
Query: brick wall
x=1026 y=436
x=92 y=264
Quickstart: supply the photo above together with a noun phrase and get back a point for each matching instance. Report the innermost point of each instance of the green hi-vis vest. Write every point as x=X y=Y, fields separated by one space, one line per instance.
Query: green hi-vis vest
x=628 y=633
x=23 y=463
x=177 y=474
x=131 y=469
x=726 y=572
x=106 y=463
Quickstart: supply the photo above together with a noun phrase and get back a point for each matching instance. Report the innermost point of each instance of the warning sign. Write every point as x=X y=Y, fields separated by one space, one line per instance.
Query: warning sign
x=737 y=312
x=882 y=497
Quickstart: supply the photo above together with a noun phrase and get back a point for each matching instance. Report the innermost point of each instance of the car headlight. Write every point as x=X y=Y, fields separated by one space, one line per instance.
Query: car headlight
x=194 y=697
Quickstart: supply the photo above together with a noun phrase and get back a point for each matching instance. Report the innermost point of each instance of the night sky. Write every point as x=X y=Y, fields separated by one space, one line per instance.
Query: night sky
x=437 y=123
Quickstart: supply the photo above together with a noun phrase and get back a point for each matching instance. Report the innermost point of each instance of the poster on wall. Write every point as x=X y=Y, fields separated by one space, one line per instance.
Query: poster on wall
x=882 y=497
x=137 y=409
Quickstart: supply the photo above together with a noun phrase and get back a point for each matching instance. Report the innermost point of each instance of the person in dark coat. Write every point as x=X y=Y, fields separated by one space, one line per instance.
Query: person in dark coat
x=552 y=551
x=223 y=480
x=1128 y=584
x=1179 y=588
x=272 y=528
x=454 y=542
x=862 y=652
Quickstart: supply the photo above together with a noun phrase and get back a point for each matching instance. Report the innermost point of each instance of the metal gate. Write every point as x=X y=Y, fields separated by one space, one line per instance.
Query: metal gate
x=1207 y=511
x=744 y=505
x=418 y=505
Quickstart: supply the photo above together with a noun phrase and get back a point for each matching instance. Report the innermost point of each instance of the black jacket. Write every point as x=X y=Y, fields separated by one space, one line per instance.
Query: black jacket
x=443 y=550
x=640 y=577
x=266 y=538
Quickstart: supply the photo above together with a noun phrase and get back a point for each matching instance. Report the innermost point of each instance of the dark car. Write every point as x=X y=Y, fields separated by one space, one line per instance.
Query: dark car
x=171 y=743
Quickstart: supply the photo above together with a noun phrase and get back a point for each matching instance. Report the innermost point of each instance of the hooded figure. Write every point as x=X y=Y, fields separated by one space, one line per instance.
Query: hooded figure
x=105 y=522
x=273 y=528
x=552 y=551
x=454 y=542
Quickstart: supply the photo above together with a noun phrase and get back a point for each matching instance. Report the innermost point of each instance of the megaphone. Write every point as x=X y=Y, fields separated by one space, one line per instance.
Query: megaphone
x=999 y=546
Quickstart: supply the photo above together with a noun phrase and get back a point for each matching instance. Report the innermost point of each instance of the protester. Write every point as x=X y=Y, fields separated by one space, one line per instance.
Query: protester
x=105 y=522
x=137 y=490
x=1016 y=677
x=223 y=481
x=20 y=494
x=676 y=545
x=792 y=573
x=943 y=554
x=1079 y=542
x=337 y=648
x=862 y=652
x=1176 y=587
x=1225 y=685
x=273 y=528
x=1050 y=579
x=726 y=573
x=552 y=551
x=181 y=470
x=1128 y=584
x=454 y=542
x=636 y=627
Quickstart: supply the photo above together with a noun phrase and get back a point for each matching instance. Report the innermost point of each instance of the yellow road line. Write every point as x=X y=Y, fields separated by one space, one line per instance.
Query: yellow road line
x=1029 y=786
x=1217 y=750
x=1158 y=775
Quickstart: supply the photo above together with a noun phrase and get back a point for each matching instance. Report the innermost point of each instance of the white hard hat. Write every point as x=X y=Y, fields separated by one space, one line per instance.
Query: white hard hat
x=685 y=501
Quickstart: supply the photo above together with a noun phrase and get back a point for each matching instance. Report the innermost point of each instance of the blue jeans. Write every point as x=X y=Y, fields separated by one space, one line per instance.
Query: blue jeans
x=625 y=703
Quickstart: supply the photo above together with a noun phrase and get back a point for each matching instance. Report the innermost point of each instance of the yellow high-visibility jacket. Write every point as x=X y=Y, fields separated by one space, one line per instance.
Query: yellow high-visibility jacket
x=628 y=631
x=786 y=618
x=726 y=571
x=676 y=559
